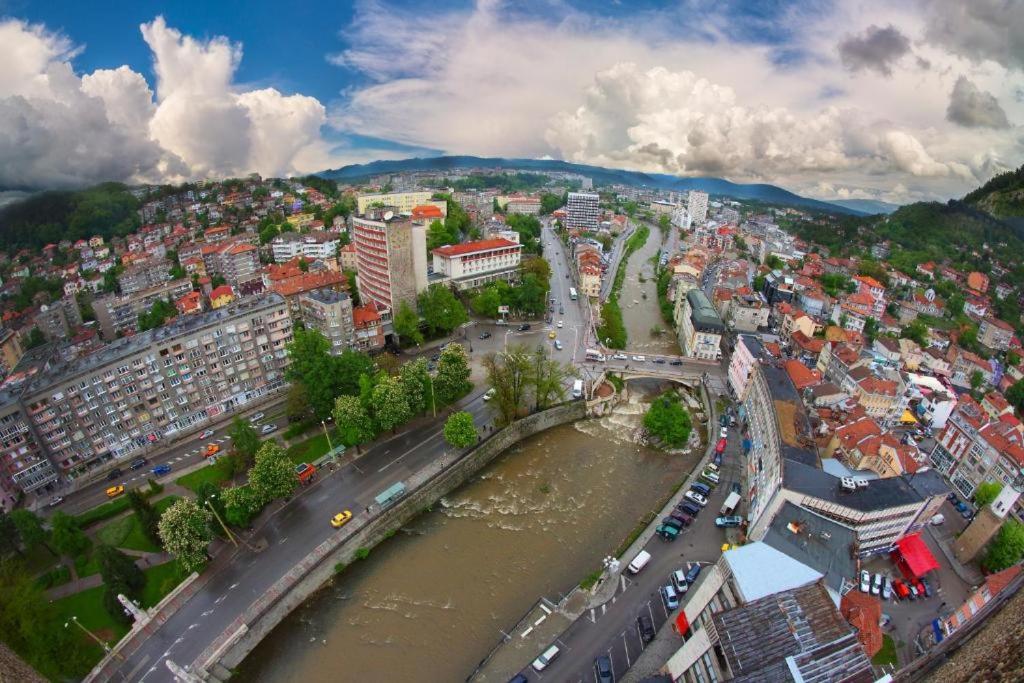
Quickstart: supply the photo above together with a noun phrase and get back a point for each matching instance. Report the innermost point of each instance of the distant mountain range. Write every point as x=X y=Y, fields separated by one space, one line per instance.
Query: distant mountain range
x=868 y=206
x=716 y=186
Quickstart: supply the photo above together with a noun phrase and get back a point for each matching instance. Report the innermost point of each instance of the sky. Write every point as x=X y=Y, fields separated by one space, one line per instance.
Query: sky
x=895 y=101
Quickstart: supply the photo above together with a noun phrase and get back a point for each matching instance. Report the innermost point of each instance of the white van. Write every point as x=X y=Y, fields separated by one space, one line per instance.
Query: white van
x=545 y=658
x=577 y=389
x=639 y=562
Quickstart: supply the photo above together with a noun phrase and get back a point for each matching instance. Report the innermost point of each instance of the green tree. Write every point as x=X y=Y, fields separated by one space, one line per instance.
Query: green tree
x=34 y=338
x=547 y=376
x=346 y=370
x=774 y=262
x=439 y=235
x=309 y=353
x=538 y=267
x=459 y=430
x=10 y=541
x=120 y=575
x=209 y=494
x=986 y=492
x=297 y=407
x=273 y=475
x=871 y=328
x=452 y=380
x=407 y=325
x=916 y=331
x=508 y=375
x=185 y=532
x=244 y=440
x=667 y=420
x=354 y=425
x=664 y=223
x=241 y=504
x=353 y=286
x=1015 y=395
x=29 y=527
x=486 y=302
x=68 y=538
x=156 y=315
x=146 y=514
x=549 y=203
x=955 y=305
x=441 y=311
x=391 y=403
x=1008 y=547
x=415 y=379
x=977 y=379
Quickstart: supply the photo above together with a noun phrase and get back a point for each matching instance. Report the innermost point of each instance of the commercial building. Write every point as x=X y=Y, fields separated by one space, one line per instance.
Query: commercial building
x=529 y=206
x=120 y=314
x=391 y=258
x=700 y=330
x=697 y=206
x=311 y=246
x=330 y=313
x=582 y=211
x=114 y=403
x=474 y=264
x=400 y=202
x=759 y=615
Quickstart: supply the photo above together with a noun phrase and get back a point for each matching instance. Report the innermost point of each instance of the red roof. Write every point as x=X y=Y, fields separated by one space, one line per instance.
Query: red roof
x=223 y=290
x=914 y=556
x=426 y=211
x=864 y=613
x=474 y=247
x=308 y=282
x=801 y=375
x=364 y=315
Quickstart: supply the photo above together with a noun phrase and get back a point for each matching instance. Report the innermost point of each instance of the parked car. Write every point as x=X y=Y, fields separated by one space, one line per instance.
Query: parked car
x=887 y=589
x=257 y=417
x=692 y=572
x=206 y=434
x=646 y=628
x=723 y=420
x=696 y=498
x=115 y=491
x=620 y=356
x=914 y=594
x=865 y=581
x=701 y=488
x=724 y=432
x=689 y=508
x=937 y=519
x=684 y=519
x=952 y=497
x=672 y=521
x=55 y=501
x=524 y=327
x=339 y=520
x=266 y=429
x=900 y=589
x=735 y=487
x=603 y=669
x=113 y=474
x=659 y=361
x=675 y=362
x=670 y=597
x=923 y=588
x=485 y=335
x=162 y=468
x=729 y=521
x=668 y=533
x=558 y=345
x=876 y=584
x=678 y=578
x=545 y=658
x=552 y=335
x=559 y=324
x=640 y=359
x=211 y=449
x=490 y=394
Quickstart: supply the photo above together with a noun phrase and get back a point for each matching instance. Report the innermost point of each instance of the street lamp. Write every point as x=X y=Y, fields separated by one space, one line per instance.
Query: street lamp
x=433 y=403
x=330 y=448
x=102 y=643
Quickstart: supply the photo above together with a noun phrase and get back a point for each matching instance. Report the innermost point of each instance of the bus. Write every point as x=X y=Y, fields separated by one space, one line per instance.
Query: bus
x=595 y=355
x=388 y=496
x=572 y=293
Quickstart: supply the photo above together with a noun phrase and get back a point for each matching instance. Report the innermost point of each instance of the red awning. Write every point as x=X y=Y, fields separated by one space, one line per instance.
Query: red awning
x=682 y=624
x=915 y=559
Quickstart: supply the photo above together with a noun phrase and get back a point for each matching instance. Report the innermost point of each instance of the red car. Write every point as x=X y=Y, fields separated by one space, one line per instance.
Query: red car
x=720 y=446
x=902 y=592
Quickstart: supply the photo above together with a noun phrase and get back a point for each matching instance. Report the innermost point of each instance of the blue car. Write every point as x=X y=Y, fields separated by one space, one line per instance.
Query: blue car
x=161 y=469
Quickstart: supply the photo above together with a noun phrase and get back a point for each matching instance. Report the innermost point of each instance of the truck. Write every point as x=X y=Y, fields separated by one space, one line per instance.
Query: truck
x=731 y=501
x=577 y=389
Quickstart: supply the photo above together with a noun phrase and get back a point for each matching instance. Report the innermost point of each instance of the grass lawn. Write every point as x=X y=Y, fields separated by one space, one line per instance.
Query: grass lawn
x=311 y=449
x=887 y=655
x=216 y=473
x=87 y=565
x=126 y=532
x=161 y=580
x=88 y=607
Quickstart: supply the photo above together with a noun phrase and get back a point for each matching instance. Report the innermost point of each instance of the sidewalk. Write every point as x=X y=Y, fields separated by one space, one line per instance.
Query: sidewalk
x=77 y=585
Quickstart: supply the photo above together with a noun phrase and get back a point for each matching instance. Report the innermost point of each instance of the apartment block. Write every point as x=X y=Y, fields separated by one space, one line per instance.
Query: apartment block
x=582 y=211
x=529 y=206
x=697 y=206
x=700 y=331
x=474 y=264
x=236 y=261
x=311 y=246
x=112 y=404
x=145 y=274
x=330 y=313
x=120 y=314
x=995 y=334
x=391 y=259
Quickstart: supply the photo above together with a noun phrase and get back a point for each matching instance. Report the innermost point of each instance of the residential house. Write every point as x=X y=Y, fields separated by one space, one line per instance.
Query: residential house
x=995 y=334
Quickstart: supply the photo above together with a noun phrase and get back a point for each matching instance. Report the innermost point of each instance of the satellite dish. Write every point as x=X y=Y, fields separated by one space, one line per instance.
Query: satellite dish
x=930 y=295
x=388 y=215
x=44 y=308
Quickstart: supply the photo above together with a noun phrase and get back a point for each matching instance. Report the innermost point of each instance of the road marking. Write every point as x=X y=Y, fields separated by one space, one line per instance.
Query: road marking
x=604 y=608
x=207 y=613
x=219 y=600
x=227 y=436
x=235 y=585
x=192 y=626
x=593 y=619
x=625 y=647
x=622 y=580
x=281 y=541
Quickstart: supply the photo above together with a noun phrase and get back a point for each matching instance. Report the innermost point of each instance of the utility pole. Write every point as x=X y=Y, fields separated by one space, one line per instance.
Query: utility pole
x=102 y=643
x=433 y=403
x=227 y=532
x=323 y=423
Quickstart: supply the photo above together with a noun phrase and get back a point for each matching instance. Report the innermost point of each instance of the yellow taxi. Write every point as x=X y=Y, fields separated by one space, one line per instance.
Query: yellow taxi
x=552 y=334
x=115 y=491
x=339 y=520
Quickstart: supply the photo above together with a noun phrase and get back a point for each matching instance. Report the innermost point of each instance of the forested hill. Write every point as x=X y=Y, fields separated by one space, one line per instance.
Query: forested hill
x=106 y=210
x=1001 y=197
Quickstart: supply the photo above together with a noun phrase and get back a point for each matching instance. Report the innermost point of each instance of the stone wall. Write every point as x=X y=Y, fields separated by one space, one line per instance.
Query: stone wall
x=224 y=655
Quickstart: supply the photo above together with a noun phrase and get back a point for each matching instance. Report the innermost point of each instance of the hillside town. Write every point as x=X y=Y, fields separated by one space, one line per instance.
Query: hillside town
x=868 y=410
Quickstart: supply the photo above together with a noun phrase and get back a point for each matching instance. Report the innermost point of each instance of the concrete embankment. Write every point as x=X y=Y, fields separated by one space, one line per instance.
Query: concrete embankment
x=314 y=571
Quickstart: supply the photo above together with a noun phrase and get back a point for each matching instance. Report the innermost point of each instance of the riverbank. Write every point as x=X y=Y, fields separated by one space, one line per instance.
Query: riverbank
x=612 y=330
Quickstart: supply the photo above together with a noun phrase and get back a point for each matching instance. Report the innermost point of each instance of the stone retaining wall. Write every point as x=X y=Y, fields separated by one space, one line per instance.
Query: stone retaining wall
x=311 y=573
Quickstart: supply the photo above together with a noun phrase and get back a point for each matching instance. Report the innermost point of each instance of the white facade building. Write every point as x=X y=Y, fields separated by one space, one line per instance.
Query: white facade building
x=475 y=264
x=697 y=206
x=312 y=246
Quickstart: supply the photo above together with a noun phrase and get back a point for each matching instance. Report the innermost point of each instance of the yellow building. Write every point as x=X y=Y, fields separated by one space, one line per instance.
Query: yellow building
x=221 y=296
x=402 y=202
x=300 y=220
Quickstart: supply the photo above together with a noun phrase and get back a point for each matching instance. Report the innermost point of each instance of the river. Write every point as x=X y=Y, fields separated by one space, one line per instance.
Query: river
x=428 y=604
x=643 y=316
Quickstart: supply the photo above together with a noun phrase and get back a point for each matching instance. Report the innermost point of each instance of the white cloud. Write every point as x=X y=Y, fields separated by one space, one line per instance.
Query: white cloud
x=61 y=129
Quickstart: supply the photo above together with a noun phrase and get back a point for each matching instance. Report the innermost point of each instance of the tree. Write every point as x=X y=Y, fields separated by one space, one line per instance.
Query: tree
x=209 y=494
x=977 y=379
x=391 y=404
x=29 y=527
x=407 y=325
x=667 y=420
x=486 y=302
x=1008 y=547
x=241 y=504
x=986 y=492
x=871 y=328
x=439 y=235
x=1015 y=395
x=916 y=331
x=68 y=538
x=955 y=305
x=509 y=377
x=453 y=372
x=9 y=536
x=185 y=532
x=353 y=286
x=441 y=311
x=311 y=365
x=159 y=312
x=244 y=440
x=146 y=514
x=352 y=421
x=415 y=379
x=459 y=430
x=664 y=223
x=538 y=267
x=296 y=407
x=34 y=338
x=120 y=575
x=550 y=202
x=347 y=368
x=273 y=475
x=774 y=262
x=547 y=376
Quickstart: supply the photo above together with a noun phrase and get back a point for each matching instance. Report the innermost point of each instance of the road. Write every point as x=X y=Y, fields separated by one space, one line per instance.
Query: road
x=612 y=629
x=290 y=534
